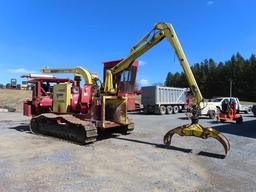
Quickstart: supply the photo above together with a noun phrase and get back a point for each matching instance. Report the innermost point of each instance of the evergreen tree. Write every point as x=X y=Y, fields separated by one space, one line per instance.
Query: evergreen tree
x=214 y=78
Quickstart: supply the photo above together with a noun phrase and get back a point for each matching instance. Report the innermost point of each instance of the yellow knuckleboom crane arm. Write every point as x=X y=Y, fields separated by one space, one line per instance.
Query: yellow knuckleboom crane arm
x=88 y=77
x=156 y=35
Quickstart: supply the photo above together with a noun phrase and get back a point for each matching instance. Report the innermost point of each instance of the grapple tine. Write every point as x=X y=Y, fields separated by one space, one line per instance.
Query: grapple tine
x=198 y=131
x=220 y=137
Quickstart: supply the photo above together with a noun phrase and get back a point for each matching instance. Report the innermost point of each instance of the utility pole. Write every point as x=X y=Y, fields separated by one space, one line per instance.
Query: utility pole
x=230 y=87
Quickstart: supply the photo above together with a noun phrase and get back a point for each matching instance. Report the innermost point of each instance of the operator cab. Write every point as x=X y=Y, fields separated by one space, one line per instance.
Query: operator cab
x=125 y=81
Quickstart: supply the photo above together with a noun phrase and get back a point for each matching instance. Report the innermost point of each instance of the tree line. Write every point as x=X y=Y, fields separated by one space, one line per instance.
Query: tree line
x=214 y=79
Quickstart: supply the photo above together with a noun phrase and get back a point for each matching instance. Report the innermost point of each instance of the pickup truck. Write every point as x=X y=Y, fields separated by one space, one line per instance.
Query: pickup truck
x=210 y=107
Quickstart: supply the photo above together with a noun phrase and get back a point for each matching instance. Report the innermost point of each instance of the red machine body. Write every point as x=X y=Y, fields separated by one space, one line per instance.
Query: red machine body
x=126 y=82
x=42 y=97
x=229 y=112
x=81 y=96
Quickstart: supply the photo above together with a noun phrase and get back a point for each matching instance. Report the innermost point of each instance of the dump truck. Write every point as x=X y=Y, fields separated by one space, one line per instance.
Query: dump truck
x=163 y=100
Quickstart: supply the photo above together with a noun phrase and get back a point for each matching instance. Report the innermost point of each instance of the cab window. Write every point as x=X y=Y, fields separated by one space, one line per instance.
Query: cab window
x=232 y=100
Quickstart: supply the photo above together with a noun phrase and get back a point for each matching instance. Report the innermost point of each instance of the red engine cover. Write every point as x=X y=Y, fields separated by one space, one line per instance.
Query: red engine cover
x=81 y=99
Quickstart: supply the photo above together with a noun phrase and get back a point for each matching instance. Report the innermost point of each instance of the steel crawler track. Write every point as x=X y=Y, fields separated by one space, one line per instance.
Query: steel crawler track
x=66 y=127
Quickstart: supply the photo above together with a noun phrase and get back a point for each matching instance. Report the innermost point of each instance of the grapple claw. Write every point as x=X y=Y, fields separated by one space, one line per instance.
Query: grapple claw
x=197 y=130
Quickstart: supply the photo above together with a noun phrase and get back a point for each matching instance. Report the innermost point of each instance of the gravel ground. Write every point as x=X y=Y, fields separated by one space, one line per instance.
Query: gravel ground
x=135 y=162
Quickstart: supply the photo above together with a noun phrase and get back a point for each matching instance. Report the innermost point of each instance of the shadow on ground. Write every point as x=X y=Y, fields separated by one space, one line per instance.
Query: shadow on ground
x=142 y=113
x=22 y=128
x=246 y=129
x=184 y=150
x=187 y=118
x=108 y=135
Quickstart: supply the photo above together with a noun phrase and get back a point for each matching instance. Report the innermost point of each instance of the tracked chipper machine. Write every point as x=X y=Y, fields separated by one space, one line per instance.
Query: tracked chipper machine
x=77 y=113
x=80 y=113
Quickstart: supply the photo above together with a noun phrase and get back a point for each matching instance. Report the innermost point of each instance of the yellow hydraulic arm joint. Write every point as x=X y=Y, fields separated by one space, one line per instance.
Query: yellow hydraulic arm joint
x=156 y=35
x=88 y=77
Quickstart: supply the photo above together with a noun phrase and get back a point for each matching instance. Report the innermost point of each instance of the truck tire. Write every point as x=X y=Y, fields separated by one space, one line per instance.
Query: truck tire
x=222 y=120
x=8 y=86
x=11 y=109
x=175 y=109
x=162 y=110
x=169 y=110
x=239 y=120
x=180 y=108
x=211 y=114
x=145 y=110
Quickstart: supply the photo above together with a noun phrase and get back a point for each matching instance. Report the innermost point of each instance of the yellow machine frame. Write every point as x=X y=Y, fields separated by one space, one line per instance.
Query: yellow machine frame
x=156 y=35
x=88 y=76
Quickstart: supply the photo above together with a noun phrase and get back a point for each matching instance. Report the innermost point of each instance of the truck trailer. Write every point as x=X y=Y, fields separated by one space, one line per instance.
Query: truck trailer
x=163 y=100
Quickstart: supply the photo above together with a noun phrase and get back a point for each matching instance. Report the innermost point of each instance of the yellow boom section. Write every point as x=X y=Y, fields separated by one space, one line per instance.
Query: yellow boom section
x=156 y=35
x=88 y=77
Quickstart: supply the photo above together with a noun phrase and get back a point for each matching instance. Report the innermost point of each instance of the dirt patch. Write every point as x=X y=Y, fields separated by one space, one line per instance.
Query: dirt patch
x=14 y=98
